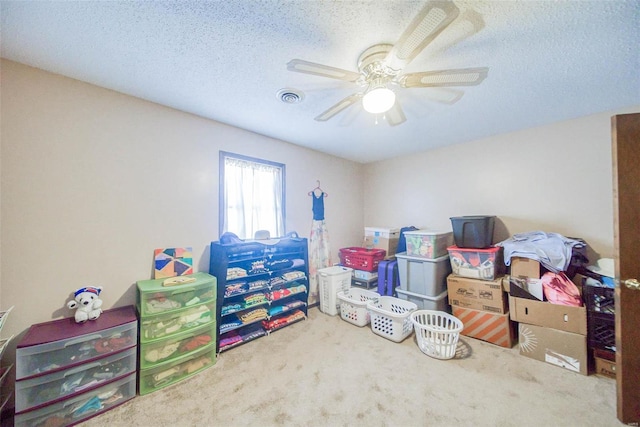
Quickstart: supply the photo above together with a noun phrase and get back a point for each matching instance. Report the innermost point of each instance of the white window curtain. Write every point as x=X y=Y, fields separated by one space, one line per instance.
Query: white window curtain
x=253 y=198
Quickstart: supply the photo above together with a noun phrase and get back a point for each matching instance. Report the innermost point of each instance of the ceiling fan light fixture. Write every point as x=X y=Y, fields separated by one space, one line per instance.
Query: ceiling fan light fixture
x=378 y=99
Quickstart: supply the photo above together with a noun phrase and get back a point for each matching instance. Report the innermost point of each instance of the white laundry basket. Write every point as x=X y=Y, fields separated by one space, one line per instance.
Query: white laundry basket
x=390 y=317
x=353 y=305
x=437 y=333
x=332 y=280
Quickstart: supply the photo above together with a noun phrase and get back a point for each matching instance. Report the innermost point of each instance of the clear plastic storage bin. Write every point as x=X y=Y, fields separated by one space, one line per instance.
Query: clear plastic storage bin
x=428 y=243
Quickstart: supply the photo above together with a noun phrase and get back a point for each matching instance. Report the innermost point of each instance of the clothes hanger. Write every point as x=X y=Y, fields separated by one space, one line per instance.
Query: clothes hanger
x=318 y=188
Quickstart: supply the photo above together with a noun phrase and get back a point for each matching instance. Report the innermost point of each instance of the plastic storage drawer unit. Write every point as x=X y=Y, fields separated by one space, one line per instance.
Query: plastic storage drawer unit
x=155 y=298
x=169 y=373
x=162 y=325
x=427 y=243
x=423 y=276
x=35 y=356
x=81 y=407
x=47 y=388
x=163 y=350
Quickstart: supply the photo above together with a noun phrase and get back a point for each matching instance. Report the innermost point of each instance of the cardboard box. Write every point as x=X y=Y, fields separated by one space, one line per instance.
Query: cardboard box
x=385 y=232
x=560 y=348
x=477 y=294
x=505 y=283
x=525 y=267
x=497 y=329
x=605 y=367
x=377 y=242
x=542 y=313
x=526 y=287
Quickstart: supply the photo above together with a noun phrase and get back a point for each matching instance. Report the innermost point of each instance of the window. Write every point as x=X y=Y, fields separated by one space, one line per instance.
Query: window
x=251 y=196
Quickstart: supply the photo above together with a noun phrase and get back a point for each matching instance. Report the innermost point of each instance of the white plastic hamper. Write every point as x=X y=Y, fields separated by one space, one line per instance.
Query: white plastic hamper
x=353 y=305
x=390 y=317
x=437 y=333
x=332 y=280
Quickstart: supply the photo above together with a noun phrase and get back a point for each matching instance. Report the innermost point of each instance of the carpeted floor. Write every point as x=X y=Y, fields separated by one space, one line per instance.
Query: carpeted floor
x=326 y=372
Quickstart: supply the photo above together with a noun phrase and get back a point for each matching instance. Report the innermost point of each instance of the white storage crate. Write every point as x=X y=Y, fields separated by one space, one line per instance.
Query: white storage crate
x=437 y=333
x=353 y=305
x=390 y=317
x=332 y=280
x=425 y=302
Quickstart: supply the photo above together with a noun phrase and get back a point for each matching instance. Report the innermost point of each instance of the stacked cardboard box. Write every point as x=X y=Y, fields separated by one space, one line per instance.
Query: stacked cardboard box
x=382 y=238
x=552 y=333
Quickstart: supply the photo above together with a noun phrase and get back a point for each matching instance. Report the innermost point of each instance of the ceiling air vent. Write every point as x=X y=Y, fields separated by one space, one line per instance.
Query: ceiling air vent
x=290 y=96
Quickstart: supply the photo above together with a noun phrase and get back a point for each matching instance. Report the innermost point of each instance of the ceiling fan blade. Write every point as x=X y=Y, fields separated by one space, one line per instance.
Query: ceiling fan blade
x=445 y=78
x=302 y=66
x=425 y=27
x=395 y=115
x=444 y=95
x=335 y=109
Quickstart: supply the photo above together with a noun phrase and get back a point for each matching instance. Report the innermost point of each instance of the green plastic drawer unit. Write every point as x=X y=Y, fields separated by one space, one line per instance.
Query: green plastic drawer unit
x=62 y=344
x=154 y=297
x=168 y=324
x=41 y=390
x=169 y=373
x=81 y=407
x=167 y=349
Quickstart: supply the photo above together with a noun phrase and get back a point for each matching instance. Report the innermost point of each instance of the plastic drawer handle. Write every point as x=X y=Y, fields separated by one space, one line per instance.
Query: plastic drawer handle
x=82 y=339
x=82 y=368
x=181 y=291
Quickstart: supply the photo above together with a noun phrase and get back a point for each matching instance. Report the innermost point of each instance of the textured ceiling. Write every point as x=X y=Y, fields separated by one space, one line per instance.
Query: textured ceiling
x=225 y=60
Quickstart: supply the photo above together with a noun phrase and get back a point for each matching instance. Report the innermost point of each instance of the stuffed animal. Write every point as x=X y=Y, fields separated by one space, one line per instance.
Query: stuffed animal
x=87 y=304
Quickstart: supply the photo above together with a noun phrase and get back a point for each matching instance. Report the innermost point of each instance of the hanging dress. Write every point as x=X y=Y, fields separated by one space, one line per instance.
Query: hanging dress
x=319 y=250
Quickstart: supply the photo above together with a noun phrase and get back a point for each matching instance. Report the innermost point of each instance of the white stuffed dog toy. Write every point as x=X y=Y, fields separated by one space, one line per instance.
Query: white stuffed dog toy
x=86 y=303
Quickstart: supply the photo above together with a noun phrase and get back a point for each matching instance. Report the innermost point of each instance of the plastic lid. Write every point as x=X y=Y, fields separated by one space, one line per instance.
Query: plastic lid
x=428 y=232
x=490 y=249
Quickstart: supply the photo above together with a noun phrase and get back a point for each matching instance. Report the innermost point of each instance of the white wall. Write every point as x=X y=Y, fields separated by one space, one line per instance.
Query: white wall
x=555 y=178
x=93 y=181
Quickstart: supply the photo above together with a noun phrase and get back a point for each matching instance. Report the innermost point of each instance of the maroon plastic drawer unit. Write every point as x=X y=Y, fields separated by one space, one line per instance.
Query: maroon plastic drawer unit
x=63 y=365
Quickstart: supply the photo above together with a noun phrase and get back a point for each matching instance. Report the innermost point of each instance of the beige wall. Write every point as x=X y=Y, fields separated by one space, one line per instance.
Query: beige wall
x=554 y=178
x=93 y=181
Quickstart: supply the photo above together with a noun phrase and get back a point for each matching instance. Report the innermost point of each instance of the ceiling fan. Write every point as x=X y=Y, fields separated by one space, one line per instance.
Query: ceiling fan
x=380 y=67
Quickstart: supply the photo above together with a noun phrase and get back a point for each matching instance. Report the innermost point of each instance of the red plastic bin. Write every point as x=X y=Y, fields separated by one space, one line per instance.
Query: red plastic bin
x=362 y=258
